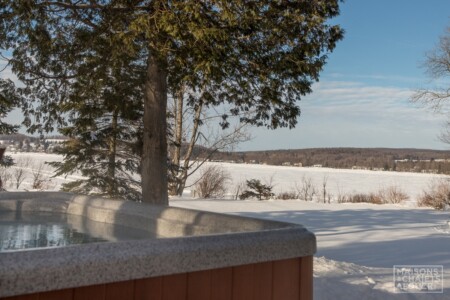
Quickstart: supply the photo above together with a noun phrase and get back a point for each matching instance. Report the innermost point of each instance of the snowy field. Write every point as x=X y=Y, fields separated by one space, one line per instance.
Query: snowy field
x=30 y=163
x=358 y=244
x=338 y=181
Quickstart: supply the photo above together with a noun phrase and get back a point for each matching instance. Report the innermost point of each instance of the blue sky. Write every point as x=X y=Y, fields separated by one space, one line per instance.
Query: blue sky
x=362 y=97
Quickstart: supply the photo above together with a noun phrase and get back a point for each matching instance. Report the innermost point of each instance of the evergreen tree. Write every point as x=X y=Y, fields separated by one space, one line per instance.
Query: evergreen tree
x=8 y=100
x=101 y=149
x=257 y=189
x=258 y=56
x=105 y=128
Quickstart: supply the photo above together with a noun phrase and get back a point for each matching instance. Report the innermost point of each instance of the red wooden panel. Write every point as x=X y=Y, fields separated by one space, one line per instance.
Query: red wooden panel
x=286 y=279
x=221 y=284
x=23 y=297
x=199 y=285
x=66 y=294
x=280 y=280
x=123 y=290
x=263 y=281
x=243 y=282
x=93 y=292
x=175 y=287
x=306 y=278
x=148 y=289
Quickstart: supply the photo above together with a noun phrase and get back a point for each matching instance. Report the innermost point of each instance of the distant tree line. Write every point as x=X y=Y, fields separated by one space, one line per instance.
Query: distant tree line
x=404 y=160
x=18 y=137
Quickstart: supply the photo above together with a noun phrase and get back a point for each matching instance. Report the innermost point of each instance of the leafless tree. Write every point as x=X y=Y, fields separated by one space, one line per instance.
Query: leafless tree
x=437 y=65
x=19 y=171
x=196 y=136
x=325 y=194
x=306 y=190
x=40 y=182
x=238 y=189
x=341 y=197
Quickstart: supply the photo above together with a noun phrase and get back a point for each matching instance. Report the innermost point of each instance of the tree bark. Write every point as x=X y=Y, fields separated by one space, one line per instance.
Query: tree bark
x=183 y=175
x=154 y=154
x=178 y=128
x=178 y=141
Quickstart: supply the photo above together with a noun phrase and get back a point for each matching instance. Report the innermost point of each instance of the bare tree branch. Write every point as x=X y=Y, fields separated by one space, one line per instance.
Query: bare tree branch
x=437 y=65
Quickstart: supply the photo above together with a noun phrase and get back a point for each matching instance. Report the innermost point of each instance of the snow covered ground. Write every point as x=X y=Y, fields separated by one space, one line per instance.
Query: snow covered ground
x=30 y=163
x=358 y=244
x=338 y=181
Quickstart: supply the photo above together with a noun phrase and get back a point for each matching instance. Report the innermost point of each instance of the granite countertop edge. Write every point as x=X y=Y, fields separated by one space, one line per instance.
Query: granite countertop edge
x=40 y=270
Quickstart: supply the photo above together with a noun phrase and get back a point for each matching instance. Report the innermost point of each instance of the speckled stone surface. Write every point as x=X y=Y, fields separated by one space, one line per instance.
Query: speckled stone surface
x=193 y=241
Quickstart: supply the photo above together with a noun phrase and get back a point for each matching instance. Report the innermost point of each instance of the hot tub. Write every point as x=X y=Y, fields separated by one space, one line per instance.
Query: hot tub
x=141 y=251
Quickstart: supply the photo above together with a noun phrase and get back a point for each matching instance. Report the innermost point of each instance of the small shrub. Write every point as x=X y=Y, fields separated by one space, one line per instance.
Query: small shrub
x=256 y=189
x=360 y=198
x=212 y=183
x=287 y=196
x=342 y=198
x=6 y=161
x=392 y=195
x=438 y=196
x=366 y=198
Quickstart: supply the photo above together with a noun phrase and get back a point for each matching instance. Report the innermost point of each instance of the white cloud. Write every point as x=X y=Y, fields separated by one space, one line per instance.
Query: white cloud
x=357 y=99
x=355 y=114
x=390 y=78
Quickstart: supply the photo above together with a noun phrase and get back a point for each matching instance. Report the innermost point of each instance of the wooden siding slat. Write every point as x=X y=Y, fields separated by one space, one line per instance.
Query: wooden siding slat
x=93 y=292
x=263 y=281
x=199 y=285
x=148 y=289
x=222 y=284
x=66 y=294
x=306 y=278
x=286 y=278
x=123 y=290
x=243 y=282
x=23 y=297
x=175 y=287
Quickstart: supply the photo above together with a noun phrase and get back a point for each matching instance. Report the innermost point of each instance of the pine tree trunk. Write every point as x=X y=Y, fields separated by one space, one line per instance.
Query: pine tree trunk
x=154 y=154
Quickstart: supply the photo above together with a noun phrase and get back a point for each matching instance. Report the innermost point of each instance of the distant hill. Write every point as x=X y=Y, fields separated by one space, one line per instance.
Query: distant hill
x=411 y=160
x=17 y=137
x=403 y=160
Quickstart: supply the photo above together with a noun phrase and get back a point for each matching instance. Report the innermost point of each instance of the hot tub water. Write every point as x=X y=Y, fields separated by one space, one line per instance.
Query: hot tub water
x=46 y=230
